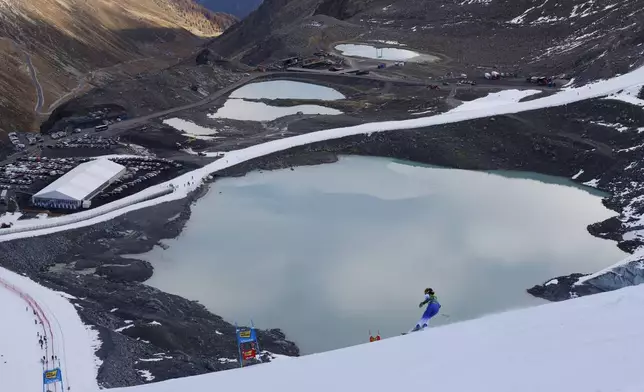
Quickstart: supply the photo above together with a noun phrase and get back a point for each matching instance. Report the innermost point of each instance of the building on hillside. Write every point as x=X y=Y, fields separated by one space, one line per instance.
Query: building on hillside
x=77 y=187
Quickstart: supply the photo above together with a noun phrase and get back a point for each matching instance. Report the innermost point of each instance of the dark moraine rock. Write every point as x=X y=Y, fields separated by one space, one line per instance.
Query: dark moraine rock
x=557 y=289
x=126 y=270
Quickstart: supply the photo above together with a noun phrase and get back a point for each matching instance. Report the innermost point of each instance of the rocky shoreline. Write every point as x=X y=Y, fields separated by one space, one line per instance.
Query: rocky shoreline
x=570 y=141
x=136 y=322
x=82 y=262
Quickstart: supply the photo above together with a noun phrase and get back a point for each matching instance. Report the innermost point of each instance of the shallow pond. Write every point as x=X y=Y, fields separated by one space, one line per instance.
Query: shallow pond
x=329 y=252
x=237 y=107
x=286 y=89
x=392 y=54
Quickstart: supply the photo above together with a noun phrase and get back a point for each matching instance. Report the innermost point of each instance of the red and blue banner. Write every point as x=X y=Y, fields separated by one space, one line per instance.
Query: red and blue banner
x=247 y=344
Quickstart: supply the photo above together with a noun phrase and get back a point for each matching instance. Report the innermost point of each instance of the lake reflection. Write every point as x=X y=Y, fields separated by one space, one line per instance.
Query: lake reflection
x=328 y=252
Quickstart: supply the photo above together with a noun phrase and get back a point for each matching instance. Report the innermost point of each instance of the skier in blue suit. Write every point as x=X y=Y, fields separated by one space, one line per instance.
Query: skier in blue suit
x=432 y=308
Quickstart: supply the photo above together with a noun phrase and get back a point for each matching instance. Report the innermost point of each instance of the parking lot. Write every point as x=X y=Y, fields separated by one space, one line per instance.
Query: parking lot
x=86 y=141
x=142 y=172
x=28 y=175
x=20 y=140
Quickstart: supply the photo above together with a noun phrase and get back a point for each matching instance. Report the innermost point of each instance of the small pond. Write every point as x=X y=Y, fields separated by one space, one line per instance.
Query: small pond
x=238 y=106
x=392 y=54
x=286 y=89
x=329 y=252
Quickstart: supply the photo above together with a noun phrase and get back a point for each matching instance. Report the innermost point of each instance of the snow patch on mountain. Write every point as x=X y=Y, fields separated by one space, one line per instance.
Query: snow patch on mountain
x=146 y=375
x=520 y=19
x=579 y=173
x=470 y=2
x=629 y=95
x=547 y=20
x=124 y=328
x=570 y=43
x=637 y=147
x=617 y=126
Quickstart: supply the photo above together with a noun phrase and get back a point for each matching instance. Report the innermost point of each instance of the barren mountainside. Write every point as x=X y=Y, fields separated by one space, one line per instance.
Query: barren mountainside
x=588 y=38
x=52 y=50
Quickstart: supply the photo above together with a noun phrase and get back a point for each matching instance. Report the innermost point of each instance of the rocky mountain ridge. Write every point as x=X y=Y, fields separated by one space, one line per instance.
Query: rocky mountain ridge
x=589 y=39
x=54 y=50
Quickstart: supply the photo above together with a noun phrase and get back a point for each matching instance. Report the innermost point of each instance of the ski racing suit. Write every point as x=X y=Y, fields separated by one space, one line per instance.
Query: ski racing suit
x=432 y=310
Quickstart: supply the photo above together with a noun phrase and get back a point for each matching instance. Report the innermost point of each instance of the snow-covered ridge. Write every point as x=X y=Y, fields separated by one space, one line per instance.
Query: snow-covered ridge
x=586 y=344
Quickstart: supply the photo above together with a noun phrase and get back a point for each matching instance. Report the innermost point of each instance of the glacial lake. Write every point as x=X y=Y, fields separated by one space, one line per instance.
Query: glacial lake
x=237 y=107
x=328 y=253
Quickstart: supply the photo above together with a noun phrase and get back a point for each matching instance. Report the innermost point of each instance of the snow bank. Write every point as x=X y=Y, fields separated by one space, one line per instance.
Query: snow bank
x=631 y=258
x=592 y=343
x=188 y=127
x=629 y=95
x=495 y=99
x=10 y=217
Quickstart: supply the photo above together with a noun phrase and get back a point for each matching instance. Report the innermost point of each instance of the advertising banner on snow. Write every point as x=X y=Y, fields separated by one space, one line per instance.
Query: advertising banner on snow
x=52 y=376
x=247 y=343
x=246 y=335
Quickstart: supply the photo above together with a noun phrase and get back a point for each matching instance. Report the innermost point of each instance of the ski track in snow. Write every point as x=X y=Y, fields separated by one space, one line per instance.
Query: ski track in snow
x=68 y=338
x=20 y=369
x=586 y=344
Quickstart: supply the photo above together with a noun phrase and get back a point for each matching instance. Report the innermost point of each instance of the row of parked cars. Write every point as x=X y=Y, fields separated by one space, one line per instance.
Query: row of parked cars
x=134 y=180
x=58 y=135
x=88 y=141
x=15 y=140
x=30 y=174
x=139 y=170
x=27 y=170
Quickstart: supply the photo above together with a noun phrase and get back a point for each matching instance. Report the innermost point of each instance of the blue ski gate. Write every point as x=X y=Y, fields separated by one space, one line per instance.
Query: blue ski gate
x=52 y=376
x=247 y=344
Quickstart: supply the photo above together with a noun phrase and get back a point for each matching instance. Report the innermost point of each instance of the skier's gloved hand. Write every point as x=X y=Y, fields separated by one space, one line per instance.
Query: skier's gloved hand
x=420 y=305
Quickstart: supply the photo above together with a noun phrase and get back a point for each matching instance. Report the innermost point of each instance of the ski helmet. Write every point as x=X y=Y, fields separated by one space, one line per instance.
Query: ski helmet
x=429 y=291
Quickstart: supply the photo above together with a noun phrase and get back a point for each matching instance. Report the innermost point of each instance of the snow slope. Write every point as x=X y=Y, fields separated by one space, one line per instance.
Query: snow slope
x=589 y=344
x=69 y=339
x=20 y=352
x=491 y=100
